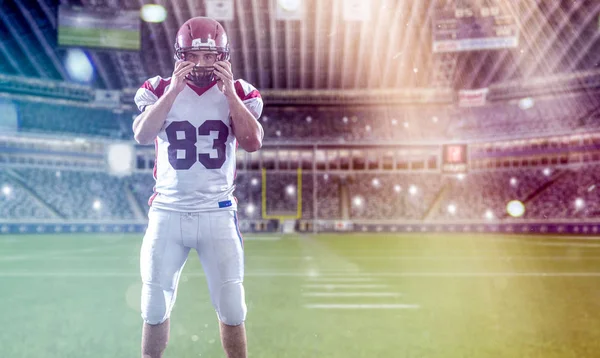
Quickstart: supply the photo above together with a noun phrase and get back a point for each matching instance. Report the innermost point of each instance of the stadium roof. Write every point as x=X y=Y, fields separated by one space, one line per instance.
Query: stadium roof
x=322 y=51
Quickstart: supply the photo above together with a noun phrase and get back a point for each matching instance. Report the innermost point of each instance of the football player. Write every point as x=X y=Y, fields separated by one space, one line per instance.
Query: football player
x=196 y=119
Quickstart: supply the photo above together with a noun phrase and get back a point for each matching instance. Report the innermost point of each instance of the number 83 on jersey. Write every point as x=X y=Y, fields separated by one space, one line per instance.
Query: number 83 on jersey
x=183 y=136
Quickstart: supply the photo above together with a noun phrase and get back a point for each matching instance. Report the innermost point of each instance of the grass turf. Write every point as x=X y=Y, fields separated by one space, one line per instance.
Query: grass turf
x=464 y=296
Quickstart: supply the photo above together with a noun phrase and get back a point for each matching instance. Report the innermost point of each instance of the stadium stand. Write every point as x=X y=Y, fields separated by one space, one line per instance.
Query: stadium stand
x=248 y=194
x=573 y=195
x=393 y=196
x=74 y=193
x=17 y=203
x=40 y=117
x=547 y=116
x=561 y=193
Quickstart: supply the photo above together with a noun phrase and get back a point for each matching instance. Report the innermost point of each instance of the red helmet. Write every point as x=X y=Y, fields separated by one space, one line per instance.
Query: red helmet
x=202 y=34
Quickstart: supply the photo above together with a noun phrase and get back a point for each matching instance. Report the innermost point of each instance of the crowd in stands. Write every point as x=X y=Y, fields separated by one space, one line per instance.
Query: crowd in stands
x=79 y=194
x=248 y=193
x=17 y=203
x=545 y=117
x=328 y=196
x=560 y=193
x=484 y=195
x=406 y=196
x=576 y=194
x=142 y=188
x=351 y=124
x=39 y=117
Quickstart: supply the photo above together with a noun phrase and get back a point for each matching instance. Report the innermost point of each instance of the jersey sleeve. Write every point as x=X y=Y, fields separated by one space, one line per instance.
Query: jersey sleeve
x=250 y=97
x=150 y=92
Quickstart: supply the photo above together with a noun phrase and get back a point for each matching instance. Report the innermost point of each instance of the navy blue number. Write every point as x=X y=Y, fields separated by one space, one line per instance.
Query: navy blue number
x=188 y=144
x=218 y=144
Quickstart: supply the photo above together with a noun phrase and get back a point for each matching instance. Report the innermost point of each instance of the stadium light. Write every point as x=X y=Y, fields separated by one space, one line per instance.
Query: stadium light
x=397 y=188
x=579 y=203
x=394 y=121
x=97 y=205
x=250 y=209
x=278 y=133
x=434 y=119
x=452 y=209
x=265 y=119
x=6 y=190
x=415 y=70
x=57 y=174
x=460 y=176
x=405 y=124
x=78 y=66
x=515 y=208
x=290 y=190
x=153 y=13
x=368 y=128
x=513 y=181
x=254 y=181
x=412 y=190
x=309 y=119
x=526 y=103
x=345 y=119
x=326 y=176
x=289 y=5
x=375 y=182
x=120 y=158
x=547 y=172
x=357 y=201
x=489 y=215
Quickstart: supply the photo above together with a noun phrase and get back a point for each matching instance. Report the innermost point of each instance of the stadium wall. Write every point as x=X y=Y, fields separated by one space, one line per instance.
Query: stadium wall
x=32 y=227
x=557 y=228
x=322 y=226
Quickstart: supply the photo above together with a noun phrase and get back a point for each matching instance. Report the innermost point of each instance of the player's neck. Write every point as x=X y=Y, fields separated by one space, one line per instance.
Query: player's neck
x=210 y=84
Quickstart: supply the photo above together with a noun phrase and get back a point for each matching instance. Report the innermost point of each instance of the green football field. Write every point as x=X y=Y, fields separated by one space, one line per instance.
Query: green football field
x=347 y=295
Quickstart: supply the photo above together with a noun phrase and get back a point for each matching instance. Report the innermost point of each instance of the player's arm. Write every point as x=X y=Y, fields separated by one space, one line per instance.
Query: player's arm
x=248 y=131
x=147 y=125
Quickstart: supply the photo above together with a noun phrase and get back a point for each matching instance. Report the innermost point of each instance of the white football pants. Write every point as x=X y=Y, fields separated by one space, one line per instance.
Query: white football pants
x=216 y=237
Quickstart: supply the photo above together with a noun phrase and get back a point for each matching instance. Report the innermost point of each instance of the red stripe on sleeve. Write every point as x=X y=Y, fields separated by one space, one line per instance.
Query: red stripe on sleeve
x=243 y=96
x=160 y=89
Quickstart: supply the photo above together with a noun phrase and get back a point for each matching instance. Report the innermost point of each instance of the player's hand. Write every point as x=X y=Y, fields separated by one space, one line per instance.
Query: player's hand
x=224 y=74
x=182 y=69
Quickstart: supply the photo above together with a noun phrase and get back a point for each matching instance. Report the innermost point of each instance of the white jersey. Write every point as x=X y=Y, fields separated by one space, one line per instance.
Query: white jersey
x=195 y=149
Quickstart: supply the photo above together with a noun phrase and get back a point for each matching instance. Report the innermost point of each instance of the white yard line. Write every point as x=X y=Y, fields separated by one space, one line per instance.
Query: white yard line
x=261 y=238
x=336 y=286
x=567 y=244
x=361 y=306
x=351 y=294
x=48 y=255
x=339 y=279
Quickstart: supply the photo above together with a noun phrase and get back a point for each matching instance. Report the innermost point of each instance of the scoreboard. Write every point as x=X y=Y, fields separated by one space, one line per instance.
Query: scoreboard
x=455 y=158
x=467 y=25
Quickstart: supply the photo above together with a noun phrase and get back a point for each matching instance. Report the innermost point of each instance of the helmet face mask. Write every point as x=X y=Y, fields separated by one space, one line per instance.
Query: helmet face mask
x=202 y=34
x=201 y=75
